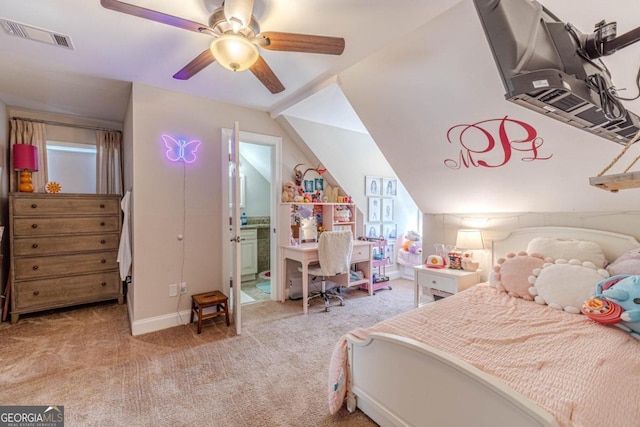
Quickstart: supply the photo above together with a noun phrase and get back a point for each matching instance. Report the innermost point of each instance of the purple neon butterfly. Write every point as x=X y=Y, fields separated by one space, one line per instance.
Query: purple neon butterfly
x=180 y=150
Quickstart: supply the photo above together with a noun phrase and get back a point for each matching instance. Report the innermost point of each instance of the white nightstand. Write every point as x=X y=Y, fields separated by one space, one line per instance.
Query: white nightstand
x=442 y=282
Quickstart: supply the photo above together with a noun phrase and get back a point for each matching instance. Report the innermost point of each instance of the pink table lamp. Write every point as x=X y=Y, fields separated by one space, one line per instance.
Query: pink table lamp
x=25 y=159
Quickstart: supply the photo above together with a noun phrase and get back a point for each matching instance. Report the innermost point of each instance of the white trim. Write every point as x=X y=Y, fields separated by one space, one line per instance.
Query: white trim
x=301 y=95
x=152 y=324
x=276 y=190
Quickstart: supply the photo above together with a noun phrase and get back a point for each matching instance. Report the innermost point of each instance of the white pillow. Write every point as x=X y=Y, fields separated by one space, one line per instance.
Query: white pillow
x=565 y=284
x=568 y=249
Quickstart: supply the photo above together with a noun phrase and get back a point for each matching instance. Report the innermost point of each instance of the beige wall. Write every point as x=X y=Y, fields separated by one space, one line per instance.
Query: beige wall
x=166 y=192
x=4 y=191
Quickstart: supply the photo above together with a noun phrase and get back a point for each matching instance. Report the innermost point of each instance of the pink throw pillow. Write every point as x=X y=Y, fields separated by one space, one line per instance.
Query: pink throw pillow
x=512 y=273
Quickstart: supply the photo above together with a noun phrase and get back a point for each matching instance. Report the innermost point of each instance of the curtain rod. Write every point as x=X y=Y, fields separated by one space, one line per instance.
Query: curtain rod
x=49 y=122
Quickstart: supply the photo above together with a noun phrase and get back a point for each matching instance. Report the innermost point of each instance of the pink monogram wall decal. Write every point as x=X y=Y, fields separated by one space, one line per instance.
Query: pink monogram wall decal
x=493 y=143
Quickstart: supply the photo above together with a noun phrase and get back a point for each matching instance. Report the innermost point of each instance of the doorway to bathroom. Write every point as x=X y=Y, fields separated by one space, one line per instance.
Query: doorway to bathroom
x=256 y=206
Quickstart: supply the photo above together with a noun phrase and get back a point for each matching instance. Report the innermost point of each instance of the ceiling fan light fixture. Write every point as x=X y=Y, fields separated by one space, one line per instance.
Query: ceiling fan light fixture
x=234 y=52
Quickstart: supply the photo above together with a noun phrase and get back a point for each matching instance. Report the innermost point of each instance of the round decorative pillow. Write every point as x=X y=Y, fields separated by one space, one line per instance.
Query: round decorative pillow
x=512 y=273
x=566 y=284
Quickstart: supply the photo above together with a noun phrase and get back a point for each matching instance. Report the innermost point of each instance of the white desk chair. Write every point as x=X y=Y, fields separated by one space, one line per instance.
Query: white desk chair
x=334 y=256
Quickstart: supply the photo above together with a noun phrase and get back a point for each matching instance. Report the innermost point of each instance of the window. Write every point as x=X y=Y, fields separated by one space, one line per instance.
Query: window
x=72 y=165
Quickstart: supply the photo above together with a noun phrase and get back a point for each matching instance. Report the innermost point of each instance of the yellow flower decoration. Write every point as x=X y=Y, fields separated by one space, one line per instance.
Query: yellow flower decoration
x=53 y=187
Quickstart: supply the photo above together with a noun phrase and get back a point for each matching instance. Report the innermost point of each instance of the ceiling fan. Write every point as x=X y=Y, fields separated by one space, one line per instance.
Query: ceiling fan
x=236 y=40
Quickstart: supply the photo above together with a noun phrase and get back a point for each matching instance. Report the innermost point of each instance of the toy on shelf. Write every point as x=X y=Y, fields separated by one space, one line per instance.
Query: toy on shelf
x=289 y=191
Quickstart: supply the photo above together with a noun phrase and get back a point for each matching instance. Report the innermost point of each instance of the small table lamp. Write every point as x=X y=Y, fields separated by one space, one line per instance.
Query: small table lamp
x=469 y=239
x=25 y=159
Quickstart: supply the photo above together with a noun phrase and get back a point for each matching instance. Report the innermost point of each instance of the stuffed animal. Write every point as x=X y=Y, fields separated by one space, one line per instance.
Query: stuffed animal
x=415 y=247
x=622 y=290
x=288 y=191
x=627 y=263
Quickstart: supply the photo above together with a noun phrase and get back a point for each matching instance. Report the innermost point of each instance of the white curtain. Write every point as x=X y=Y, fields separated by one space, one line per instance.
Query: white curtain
x=108 y=162
x=28 y=132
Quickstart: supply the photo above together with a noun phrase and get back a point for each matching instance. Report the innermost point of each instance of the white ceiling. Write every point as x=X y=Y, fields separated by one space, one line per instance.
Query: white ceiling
x=113 y=49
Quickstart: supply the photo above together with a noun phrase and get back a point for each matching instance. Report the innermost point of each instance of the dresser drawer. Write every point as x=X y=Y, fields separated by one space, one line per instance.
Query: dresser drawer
x=31 y=246
x=67 y=290
x=360 y=254
x=433 y=281
x=62 y=205
x=43 y=226
x=64 y=265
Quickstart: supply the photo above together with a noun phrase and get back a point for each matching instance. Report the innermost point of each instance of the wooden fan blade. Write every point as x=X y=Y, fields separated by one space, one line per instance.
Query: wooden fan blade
x=263 y=72
x=153 y=15
x=195 y=66
x=303 y=43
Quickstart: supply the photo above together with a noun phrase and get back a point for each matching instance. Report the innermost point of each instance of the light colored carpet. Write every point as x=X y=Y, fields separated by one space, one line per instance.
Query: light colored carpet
x=274 y=374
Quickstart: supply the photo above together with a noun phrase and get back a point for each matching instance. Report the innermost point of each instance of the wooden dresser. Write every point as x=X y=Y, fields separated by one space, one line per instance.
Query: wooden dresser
x=64 y=250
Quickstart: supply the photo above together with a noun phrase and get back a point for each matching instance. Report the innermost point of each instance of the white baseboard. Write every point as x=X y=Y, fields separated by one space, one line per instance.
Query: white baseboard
x=152 y=324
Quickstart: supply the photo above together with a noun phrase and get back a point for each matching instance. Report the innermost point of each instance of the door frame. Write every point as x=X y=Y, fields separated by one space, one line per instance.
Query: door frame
x=275 y=142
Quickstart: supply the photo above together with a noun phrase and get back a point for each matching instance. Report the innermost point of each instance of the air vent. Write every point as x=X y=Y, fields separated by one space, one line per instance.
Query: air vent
x=29 y=32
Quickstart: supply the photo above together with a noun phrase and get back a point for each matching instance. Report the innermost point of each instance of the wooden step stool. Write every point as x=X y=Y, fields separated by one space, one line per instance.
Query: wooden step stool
x=209 y=299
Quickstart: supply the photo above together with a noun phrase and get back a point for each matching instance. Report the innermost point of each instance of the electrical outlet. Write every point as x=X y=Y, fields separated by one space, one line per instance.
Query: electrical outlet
x=183 y=287
x=173 y=290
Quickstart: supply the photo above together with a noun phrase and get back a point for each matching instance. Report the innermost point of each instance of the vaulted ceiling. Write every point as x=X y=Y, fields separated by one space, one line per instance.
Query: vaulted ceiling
x=411 y=70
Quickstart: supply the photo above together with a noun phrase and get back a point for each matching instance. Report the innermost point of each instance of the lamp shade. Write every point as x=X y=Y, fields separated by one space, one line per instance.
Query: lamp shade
x=469 y=239
x=25 y=157
x=234 y=52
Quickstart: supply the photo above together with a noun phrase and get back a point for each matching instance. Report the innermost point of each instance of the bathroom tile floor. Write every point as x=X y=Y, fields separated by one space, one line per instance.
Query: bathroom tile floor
x=249 y=287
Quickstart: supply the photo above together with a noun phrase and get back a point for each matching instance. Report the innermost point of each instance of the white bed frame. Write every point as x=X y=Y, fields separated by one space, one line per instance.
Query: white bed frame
x=398 y=381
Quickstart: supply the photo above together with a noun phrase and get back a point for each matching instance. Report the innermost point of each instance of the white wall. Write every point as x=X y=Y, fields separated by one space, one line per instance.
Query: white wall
x=257 y=190
x=442 y=228
x=351 y=156
x=442 y=75
x=166 y=192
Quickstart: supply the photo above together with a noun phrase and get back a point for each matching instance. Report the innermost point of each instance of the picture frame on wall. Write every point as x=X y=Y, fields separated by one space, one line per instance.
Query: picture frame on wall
x=375 y=209
x=388 y=252
x=387 y=210
x=390 y=231
x=372 y=231
x=372 y=186
x=389 y=187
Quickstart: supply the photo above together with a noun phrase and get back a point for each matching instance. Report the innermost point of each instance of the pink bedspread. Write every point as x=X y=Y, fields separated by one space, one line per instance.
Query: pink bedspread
x=583 y=373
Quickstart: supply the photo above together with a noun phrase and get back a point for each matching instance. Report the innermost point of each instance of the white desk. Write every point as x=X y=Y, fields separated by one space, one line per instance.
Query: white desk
x=307 y=253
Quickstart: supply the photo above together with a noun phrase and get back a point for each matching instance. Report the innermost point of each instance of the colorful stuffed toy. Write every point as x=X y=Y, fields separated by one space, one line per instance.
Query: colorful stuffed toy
x=288 y=191
x=617 y=294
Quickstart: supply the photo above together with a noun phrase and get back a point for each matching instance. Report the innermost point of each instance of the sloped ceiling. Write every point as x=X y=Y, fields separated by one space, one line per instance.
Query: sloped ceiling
x=111 y=46
x=442 y=76
x=412 y=70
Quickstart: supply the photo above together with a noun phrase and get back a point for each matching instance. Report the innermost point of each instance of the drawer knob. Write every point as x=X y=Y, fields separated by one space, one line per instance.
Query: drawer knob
x=103 y=241
x=102 y=205
x=33 y=206
x=35 y=267
x=36 y=293
x=103 y=283
x=102 y=261
x=34 y=246
x=102 y=223
x=433 y=281
x=34 y=225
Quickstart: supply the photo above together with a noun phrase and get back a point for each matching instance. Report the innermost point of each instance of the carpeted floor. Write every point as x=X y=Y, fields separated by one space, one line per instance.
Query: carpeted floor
x=274 y=374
